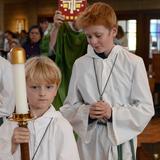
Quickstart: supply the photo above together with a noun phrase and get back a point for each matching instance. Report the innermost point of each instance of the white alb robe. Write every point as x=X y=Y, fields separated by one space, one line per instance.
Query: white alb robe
x=58 y=143
x=127 y=92
x=7 y=96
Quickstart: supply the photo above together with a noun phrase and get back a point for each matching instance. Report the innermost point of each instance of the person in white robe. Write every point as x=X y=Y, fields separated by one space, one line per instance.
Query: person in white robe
x=7 y=98
x=109 y=102
x=50 y=136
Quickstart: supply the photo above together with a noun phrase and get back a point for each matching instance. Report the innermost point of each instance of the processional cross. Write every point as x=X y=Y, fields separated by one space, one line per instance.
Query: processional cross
x=71 y=8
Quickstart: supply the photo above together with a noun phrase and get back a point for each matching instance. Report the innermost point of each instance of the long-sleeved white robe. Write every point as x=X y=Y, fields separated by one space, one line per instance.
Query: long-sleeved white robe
x=58 y=143
x=127 y=92
x=7 y=97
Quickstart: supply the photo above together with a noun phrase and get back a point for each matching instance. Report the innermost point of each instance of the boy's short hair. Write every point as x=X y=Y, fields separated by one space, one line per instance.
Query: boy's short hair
x=42 y=69
x=97 y=14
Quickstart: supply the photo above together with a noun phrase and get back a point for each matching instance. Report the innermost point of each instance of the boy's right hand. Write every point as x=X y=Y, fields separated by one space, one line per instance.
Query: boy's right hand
x=100 y=110
x=58 y=19
x=20 y=135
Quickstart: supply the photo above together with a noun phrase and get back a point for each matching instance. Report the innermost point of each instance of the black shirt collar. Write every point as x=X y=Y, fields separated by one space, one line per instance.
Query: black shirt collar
x=102 y=55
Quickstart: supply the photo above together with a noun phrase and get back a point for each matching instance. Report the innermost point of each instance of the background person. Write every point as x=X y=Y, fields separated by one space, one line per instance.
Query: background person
x=45 y=42
x=32 y=45
x=121 y=37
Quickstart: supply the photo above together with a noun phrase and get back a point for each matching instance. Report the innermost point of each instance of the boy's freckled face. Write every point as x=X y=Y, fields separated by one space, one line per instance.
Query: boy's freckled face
x=100 y=37
x=40 y=96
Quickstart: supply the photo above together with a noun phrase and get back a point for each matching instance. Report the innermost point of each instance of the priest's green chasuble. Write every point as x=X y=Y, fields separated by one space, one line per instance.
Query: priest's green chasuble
x=70 y=45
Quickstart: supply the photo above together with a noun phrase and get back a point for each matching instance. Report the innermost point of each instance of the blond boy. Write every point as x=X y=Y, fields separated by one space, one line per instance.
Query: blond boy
x=49 y=135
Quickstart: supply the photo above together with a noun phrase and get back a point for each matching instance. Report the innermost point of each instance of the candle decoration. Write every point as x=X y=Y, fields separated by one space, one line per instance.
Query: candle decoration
x=22 y=114
x=18 y=59
x=71 y=8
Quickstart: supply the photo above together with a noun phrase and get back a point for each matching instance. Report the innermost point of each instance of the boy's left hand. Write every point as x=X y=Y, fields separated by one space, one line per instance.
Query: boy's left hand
x=100 y=110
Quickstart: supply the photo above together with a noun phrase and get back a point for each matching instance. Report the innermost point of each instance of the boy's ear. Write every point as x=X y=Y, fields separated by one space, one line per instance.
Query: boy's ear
x=114 y=31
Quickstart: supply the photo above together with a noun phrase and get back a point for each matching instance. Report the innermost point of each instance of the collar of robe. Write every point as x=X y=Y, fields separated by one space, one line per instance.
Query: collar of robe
x=101 y=55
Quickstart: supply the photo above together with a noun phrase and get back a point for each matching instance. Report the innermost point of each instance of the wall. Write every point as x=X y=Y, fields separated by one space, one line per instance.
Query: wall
x=132 y=4
x=29 y=10
x=13 y=12
x=1 y=16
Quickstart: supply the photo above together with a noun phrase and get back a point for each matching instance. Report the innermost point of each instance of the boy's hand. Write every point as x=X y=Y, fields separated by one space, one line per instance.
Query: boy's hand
x=100 y=110
x=20 y=135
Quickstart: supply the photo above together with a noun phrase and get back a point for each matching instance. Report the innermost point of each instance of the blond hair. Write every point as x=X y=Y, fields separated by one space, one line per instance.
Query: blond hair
x=97 y=14
x=42 y=69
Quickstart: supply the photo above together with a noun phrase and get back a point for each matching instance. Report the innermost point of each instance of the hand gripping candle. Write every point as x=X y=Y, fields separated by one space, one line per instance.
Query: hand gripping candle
x=18 y=58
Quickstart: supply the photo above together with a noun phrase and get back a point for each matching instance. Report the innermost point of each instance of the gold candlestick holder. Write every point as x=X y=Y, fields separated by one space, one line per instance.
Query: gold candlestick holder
x=22 y=120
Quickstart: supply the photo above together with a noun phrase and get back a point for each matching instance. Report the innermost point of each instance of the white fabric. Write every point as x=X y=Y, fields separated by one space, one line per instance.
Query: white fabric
x=57 y=144
x=7 y=97
x=128 y=94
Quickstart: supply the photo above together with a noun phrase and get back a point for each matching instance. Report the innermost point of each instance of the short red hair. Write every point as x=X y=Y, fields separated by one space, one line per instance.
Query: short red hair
x=97 y=14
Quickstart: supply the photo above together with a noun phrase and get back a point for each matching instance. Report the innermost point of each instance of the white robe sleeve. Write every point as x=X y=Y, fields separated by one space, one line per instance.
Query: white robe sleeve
x=74 y=110
x=65 y=144
x=129 y=120
x=6 y=131
x=7 y=99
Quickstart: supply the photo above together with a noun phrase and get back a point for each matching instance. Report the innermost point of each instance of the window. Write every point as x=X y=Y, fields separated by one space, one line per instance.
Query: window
x=20 y=25
x=154 y=37
x=129 y=27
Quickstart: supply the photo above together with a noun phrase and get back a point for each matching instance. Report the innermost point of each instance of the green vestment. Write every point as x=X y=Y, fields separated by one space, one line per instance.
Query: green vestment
x=44 y=45
x=70 y=45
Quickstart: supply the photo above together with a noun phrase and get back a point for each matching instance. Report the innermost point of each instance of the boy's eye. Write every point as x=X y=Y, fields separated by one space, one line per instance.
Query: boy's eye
x=88 y=36
x=34 y=87
x=44 y=87
x=49 y=87
x=98 y=35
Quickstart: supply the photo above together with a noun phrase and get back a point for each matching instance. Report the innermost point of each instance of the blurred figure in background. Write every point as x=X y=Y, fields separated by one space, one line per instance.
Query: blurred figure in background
x=32 y=45
x=9 y=36
x=121 y=37
x=12 y=44
x=45 y=42
x=23 y=37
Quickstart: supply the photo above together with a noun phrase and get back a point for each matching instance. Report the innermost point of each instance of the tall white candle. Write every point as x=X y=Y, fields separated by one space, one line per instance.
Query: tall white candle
x=18 y=59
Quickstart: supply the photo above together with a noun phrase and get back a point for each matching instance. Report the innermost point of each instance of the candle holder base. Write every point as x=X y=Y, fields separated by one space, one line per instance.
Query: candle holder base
x=22 y=120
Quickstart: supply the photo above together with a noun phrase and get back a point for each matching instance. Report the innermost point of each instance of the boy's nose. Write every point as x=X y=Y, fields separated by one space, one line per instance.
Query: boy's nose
x=93 y=41
x=42 y=92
